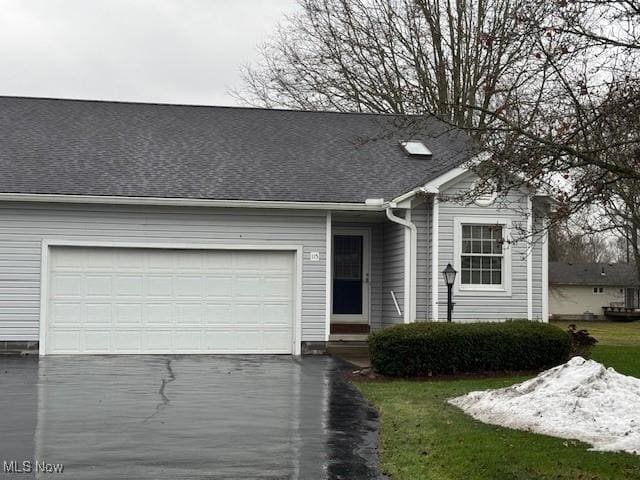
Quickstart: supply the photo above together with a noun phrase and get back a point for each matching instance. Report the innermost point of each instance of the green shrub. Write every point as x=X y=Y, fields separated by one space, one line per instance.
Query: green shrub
x=426 y=348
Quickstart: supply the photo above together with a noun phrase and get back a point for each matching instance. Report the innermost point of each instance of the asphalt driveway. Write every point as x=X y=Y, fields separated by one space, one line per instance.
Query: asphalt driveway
x=185 y=417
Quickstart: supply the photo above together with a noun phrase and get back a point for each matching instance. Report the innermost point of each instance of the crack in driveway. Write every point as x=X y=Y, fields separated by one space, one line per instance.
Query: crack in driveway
x=164 y=400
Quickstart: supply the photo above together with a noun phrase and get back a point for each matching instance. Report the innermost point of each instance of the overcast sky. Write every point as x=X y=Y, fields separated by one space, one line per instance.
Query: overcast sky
x=178 y=51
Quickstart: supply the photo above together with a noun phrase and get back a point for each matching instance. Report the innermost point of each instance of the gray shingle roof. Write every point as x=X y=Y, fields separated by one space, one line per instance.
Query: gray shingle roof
x=80 y=147
x=615 y=274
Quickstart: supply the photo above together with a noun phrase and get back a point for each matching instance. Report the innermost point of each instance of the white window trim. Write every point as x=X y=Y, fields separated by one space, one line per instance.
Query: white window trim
x=328 y=276
x=503 y=290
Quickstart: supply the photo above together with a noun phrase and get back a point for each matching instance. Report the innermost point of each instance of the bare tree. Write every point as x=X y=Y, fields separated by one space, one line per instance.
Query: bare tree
x=550 y=88
x=447 y=58
x=570 y=244
x=575 y=130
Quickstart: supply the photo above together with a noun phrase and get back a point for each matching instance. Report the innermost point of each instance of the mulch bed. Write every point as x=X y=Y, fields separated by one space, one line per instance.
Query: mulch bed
x=369 y=375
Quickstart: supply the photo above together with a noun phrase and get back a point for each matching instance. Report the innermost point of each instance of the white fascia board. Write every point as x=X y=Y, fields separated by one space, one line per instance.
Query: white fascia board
x=185 y=202
x=433 y=186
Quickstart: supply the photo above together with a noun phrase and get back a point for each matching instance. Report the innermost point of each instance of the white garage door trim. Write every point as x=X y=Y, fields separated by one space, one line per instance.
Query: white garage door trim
x=44 y=273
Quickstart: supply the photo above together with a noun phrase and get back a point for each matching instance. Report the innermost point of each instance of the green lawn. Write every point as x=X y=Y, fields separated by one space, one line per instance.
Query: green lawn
x=610 y=333
x=422 y=437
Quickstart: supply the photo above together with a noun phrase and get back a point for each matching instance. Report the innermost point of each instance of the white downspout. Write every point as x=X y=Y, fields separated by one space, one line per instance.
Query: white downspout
x=410 y=265
x=529 y=258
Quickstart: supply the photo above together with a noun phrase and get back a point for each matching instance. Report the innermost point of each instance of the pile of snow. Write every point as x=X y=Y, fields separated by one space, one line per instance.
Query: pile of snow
x=579 y=400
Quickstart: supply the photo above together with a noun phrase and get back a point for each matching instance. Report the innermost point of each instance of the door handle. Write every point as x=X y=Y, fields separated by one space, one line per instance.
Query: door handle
x=366 y=277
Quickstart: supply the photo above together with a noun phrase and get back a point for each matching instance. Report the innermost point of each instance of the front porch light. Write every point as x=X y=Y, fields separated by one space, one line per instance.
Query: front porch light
x=449 y=275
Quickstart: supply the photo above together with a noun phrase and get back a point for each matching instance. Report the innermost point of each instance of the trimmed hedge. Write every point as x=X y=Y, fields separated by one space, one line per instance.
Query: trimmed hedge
x=435 y=348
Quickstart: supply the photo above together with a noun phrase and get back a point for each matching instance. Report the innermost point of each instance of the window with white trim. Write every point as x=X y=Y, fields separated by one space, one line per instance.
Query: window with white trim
x=482 y=255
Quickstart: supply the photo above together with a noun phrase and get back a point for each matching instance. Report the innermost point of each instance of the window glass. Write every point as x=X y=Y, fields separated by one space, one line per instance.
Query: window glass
x=482 y=256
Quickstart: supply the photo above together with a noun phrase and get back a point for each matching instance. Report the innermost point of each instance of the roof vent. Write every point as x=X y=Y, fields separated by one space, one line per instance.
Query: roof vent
x=415 y=148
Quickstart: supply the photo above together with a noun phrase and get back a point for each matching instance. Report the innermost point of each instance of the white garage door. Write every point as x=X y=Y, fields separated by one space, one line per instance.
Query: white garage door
x=130 y=300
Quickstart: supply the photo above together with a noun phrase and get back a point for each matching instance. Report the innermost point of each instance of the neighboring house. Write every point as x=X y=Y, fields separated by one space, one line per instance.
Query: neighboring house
x=146 y=228
x=577 y=290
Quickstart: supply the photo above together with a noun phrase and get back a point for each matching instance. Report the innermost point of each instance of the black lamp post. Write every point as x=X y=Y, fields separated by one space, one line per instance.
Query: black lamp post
x=449 y=275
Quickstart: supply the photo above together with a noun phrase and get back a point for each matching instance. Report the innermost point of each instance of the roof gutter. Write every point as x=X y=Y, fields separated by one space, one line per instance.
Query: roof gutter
x=186 y=202
x=410 y=264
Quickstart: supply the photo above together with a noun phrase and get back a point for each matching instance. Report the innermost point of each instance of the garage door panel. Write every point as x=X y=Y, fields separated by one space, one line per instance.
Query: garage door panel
x=247 y=261
x=188 y=314
x=126 y=341
x=275 y=313
x=98 y=314
x=158 y=286
x=252 y=340
x=99 y=285
x=128 y=313
x=274 y=341
x=218 y=286
x=68 y=259
x=247 y=314
x=128 y=285
x=128 y=259
x=220 y=341
x=67 y=285
x=187 y=341
x=67 y=314
x=276 y=262
x=66 y=341
x=159 y=260
x=157 y=340
x=187 y=286
x=191 y=260
x=97 y=341
x=110 y=300
x=99 y=259
x=218 y=314
x=158 y=313
x=218 y=261
x=277 y=287
x=247 y=286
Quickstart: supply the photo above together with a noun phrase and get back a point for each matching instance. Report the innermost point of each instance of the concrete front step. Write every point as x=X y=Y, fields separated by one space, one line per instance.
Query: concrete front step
x=348 y=348
x=348 y=337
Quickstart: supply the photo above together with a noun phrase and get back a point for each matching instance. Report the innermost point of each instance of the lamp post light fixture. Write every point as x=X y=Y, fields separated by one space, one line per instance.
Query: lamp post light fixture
x=449 y=275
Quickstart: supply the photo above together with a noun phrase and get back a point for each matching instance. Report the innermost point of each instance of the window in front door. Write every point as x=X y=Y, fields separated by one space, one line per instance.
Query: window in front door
x=347 y=274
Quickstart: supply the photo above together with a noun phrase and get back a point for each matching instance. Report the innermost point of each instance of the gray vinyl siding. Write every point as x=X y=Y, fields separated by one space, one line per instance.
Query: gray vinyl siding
x=429 y=247
x=23 y=226
x=480 y=306
x=421 y=217
x=536 y=253
x=375 y=277
x=393 y=272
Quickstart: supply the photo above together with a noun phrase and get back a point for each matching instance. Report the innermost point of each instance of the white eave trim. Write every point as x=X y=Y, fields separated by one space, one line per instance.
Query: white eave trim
x=193 y=202
x=433 y=186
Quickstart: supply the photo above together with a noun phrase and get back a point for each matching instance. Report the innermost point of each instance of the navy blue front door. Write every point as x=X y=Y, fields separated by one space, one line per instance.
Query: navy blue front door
x=347 y=274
